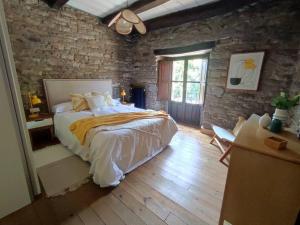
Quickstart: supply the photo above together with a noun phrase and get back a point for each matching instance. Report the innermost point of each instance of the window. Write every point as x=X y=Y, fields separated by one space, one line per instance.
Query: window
x=177 y=81
x=189 y=80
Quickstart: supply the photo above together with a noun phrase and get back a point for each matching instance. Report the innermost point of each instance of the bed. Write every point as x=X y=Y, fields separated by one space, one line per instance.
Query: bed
x=112 y=150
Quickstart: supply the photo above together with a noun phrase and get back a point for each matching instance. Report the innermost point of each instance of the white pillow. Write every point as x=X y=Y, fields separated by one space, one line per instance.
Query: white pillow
x=96 y=102
x=107 y=97
x=62 y=107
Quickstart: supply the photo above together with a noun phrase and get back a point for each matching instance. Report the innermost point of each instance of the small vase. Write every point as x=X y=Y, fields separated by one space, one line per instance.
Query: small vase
x=265 y=120
x=276 y=126
x=281 y=114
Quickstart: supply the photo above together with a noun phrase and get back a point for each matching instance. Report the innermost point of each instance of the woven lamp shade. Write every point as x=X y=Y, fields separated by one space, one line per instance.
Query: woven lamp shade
x=114 y=20
x=130 y=16
x=125 y=21
x=140 y=27
x=123 y=27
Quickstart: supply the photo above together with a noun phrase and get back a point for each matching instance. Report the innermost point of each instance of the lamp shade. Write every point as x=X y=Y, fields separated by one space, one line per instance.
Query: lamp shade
x=123 y=93
x=130 y=16
x=114 y=20
x=123 y=26
x=140 y=27
x=35 y=100
x=125 y=21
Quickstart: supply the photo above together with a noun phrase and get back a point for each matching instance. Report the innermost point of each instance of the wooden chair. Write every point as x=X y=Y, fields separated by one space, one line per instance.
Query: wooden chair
x=222 y=137
x=225 y=137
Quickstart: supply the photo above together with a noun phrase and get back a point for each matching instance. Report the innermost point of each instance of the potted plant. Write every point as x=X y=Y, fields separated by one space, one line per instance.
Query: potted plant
x=283 y=103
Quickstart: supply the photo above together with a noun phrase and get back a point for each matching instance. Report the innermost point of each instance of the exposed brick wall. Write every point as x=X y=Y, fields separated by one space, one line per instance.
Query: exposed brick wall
x=48 y=43
x=274 y=28
x=295 y=89
x=72 y=44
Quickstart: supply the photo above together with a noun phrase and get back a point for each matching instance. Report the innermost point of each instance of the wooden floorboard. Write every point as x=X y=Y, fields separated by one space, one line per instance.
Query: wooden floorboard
x=125 y=213
x=183 y=185
x=89 y=217
x=178 y=194
x=174 y=220
x=105 y=212
x=164 y=201
x=137 y=208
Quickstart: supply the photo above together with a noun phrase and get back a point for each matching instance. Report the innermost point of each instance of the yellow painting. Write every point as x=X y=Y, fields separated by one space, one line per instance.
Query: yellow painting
x=244 y=71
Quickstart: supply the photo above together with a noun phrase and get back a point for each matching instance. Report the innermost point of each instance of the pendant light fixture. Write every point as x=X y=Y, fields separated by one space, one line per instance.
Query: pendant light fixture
x=125 y=20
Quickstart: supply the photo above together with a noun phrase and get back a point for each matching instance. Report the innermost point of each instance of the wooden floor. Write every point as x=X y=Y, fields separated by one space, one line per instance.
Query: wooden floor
x=182 y=185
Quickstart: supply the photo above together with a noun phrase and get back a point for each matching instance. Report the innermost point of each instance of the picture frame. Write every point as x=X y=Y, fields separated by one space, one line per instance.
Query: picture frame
x=244 y=71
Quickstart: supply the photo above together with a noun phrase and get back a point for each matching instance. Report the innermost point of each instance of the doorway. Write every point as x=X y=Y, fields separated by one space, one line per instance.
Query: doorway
x=188 y=89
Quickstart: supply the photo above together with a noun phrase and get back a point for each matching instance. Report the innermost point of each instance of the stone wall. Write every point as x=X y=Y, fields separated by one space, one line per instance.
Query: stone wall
x=72 y=44
x=295 y=87
x=48 y=43
x=294 y=90
x=272 y=27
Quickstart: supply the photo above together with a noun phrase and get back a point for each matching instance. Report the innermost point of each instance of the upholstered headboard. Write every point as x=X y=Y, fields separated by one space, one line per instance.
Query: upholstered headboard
x=59 y=90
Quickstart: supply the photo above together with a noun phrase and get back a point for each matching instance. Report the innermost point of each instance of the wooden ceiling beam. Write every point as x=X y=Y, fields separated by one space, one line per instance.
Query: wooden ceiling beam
x=185 y=49
x=57 y=4
x=197 y=13
x=148 y=6
x=137 y=7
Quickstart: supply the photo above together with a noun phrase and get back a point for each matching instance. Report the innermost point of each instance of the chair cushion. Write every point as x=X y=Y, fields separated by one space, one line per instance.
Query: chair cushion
x=223 y=133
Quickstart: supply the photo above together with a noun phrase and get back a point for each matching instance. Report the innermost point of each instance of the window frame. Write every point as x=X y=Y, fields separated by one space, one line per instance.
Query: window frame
x=177 y=81
x=185 y=81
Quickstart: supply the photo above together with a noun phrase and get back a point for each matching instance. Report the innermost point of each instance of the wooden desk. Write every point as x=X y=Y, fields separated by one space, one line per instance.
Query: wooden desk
x=263 y=185
x=252 y=137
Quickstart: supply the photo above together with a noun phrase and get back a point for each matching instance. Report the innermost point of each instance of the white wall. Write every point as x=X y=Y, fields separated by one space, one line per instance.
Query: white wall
x=14 y=191
x=18 y=104
x=15 y=183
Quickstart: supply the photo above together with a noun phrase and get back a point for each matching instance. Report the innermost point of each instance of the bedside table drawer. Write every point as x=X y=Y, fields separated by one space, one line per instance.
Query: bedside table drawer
x=40 y=123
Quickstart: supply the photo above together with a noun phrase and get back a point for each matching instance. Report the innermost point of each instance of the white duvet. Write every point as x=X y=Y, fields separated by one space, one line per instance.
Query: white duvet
x=116 y=150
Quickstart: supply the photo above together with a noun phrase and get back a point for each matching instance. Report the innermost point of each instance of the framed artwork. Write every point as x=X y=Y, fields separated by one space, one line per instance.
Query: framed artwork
x=244 y=71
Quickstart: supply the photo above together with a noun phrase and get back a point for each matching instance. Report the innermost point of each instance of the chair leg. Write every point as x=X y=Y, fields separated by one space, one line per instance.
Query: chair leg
x=224 y=151
x=227 y=165
x=227 y=151
x=219 y=145
x=213 y=139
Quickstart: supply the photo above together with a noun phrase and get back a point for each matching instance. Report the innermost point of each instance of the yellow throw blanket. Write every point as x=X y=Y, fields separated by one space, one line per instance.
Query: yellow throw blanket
x=81 y=127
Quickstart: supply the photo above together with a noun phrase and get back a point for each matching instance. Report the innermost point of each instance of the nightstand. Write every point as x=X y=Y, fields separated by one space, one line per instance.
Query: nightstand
x=41 y=131
x=130 y=104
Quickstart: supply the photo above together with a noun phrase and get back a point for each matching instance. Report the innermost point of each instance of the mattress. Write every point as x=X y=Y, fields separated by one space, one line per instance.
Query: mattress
x=116 y=150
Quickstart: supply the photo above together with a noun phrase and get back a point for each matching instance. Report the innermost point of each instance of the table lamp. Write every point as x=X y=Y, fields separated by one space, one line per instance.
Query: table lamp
x=123 y=94
x=33 y=101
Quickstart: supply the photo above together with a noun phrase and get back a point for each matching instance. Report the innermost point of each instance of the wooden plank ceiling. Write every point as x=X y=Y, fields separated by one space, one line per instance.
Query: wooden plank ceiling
x=156 y=13
x=100 y=8
x=103 y=8
x=171 y=7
